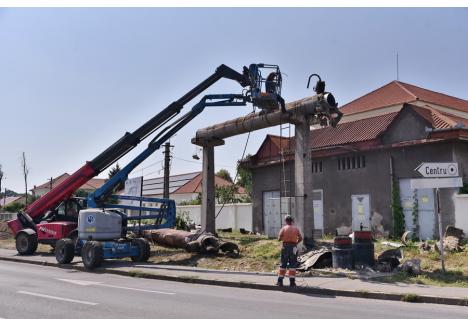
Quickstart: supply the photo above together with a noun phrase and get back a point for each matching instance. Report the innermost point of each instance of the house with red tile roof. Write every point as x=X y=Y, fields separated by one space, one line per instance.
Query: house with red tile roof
x=358 y=166
x=183 y=187
x=44 y=188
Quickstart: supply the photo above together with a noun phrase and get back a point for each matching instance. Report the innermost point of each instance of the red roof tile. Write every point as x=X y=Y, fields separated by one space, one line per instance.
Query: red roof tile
x=352 y=132
x=194 y=185
x=397 y=92
x=344 y=133
x=438 y=119
x=91 y=184
x=366 y=131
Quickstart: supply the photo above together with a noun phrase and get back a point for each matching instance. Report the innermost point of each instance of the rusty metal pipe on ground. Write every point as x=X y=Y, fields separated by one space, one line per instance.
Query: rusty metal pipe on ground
x=310 y=106
x=192 y=242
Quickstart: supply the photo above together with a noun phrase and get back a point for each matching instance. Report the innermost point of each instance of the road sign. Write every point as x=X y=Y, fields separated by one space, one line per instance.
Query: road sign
x=438 y=170
x=425 y=183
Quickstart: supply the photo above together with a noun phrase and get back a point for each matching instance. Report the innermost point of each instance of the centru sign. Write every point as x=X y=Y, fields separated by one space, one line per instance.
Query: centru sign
x=438 y=170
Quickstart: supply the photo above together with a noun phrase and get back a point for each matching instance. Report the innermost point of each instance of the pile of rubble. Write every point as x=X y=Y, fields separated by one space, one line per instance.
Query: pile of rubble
x=392 y=259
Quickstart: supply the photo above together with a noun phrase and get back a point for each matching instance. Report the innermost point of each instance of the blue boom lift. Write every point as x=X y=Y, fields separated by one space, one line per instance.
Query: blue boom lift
x=103 y=229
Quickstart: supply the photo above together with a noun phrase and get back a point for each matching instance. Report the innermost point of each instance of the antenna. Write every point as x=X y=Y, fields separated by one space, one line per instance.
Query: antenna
x=397 y=69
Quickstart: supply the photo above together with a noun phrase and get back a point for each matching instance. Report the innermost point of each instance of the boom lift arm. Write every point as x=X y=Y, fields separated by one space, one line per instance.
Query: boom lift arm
x=64 y=190
x=98 y=197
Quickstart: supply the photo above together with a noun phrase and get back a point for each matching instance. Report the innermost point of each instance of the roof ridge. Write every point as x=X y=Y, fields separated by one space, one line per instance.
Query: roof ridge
x=429 y=90
x=443 y=117
x=405 y=89
x=375 y=90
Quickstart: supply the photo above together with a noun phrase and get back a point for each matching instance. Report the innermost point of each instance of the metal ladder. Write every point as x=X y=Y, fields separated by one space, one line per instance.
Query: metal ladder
x=285 y=202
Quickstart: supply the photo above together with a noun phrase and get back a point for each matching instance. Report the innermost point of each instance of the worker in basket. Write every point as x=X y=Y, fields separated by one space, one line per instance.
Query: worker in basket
x=290 y=236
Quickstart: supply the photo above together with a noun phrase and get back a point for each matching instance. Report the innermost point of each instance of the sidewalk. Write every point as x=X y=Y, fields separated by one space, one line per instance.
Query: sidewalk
x=325 y=285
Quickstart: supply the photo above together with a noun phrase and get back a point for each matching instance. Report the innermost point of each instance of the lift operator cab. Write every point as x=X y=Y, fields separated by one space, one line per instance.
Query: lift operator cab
x=266 y=89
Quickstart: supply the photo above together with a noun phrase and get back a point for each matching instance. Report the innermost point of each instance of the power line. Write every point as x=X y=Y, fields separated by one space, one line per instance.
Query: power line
x=199 y=163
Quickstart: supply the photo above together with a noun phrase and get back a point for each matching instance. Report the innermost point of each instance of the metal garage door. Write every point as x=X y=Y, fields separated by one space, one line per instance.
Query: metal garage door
x=271 y=213
x=360 y=205
x=426 y=209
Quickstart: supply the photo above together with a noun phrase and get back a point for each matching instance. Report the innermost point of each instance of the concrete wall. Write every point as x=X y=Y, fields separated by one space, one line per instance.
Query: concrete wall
x=461 y=209
x=406 y=126
x=374 y=179
x=234 y=216
x=264 y=179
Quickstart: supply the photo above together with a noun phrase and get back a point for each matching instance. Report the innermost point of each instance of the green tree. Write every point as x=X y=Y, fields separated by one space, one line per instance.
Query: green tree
x=244 y=176
x=415 y=214
x=224 y=174
x=226 y=194
x=397 y=211
x=81 y=193
x=113 y=171
x=14 y=207
x=464 y=189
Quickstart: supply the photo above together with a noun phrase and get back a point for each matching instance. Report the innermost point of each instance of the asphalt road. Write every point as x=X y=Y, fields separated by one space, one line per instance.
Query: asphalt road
x=31 y=291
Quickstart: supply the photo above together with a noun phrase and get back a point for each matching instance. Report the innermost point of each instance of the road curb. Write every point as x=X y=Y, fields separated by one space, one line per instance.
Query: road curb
x=246 y=285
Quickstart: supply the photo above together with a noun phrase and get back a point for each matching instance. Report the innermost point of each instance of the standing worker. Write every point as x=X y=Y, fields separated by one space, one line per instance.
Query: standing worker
x=290 y=236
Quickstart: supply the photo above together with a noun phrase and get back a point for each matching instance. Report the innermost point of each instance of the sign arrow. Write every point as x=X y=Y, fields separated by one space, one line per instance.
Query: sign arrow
x=438 y=169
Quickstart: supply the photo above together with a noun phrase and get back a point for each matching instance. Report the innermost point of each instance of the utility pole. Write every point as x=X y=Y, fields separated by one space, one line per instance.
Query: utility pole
x=25 y=174
x=167 y=164
x=397 y=68
x=1 y=177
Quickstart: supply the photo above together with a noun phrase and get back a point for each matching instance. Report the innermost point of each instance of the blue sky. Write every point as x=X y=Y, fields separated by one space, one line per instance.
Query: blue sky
x=72 y=81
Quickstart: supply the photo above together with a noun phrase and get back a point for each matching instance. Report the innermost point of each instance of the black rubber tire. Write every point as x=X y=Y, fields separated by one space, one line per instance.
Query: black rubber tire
x=145 y=249
x=74 y=237
x=92 y=254
x=26 y=244
x=64 y=251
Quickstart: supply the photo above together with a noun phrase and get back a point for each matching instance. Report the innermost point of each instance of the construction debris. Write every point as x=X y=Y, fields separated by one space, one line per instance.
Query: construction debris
x=192 y=242
x=321 y=258
x=393 y=244
x=452 y=231
x=389 y=260
x=411 y=267
x=405 y=237
x=424 y=246
x=452 y=243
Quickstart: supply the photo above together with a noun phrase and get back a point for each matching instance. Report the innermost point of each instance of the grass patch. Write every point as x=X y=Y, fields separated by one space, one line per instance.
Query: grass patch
x=411 y=297
x=257 y=254
x=456 y=265
x=137 y=274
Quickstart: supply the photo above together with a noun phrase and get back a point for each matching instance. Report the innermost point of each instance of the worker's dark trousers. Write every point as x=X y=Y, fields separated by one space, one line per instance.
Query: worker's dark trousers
x=288 y=262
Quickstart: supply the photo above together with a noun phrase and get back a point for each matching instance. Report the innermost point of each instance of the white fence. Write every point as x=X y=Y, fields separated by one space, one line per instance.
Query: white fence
x=461 y=212
x=7 y=216
x=234 y=216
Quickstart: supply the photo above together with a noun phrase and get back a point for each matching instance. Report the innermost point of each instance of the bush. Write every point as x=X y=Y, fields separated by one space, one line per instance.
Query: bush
x=183 y=221
x=14 y=207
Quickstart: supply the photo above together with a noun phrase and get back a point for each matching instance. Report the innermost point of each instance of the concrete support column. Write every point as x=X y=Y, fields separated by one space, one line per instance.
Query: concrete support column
x=208 y=212
x=208 y=190
x=304 y=208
